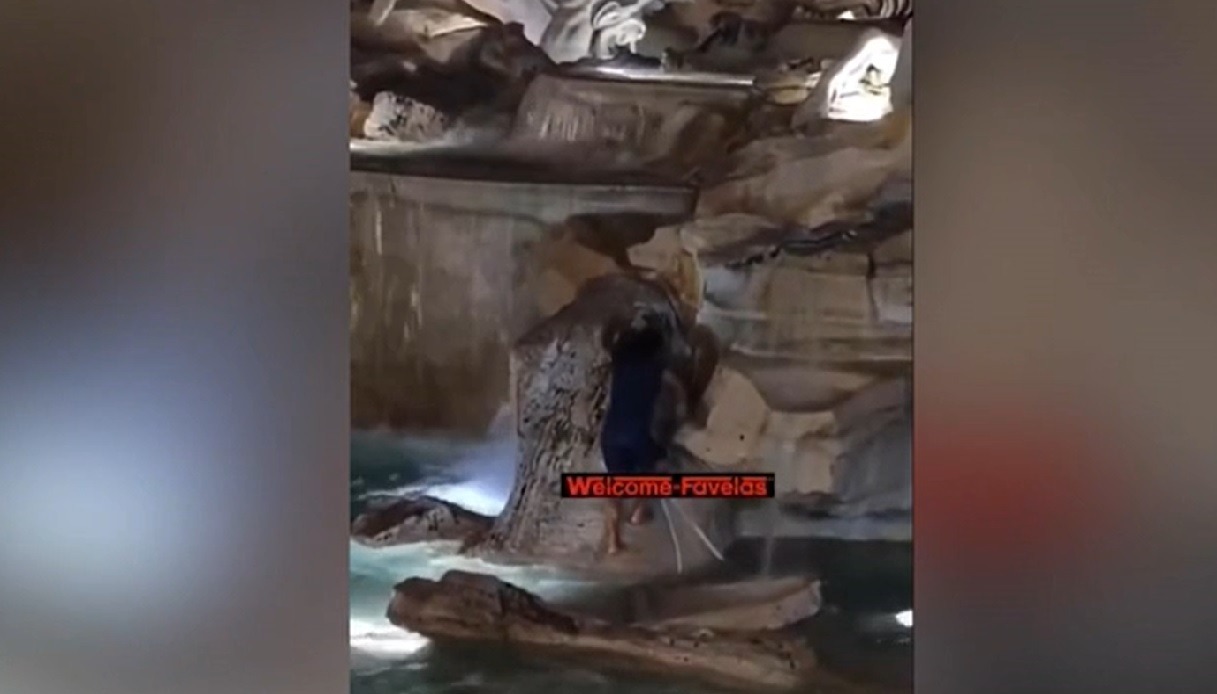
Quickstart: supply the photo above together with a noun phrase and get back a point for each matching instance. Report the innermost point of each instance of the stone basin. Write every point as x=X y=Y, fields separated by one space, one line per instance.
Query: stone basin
x=673 y=121
x=444 y=263
x=696 y=79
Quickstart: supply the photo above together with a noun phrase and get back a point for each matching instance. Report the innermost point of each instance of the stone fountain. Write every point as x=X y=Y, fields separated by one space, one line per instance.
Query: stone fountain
x=482 y=278
x=449 y=266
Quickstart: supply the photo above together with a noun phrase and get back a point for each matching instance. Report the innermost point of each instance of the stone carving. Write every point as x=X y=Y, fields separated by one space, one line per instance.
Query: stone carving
x=560 y=371
x=397 y=118
x=473 y=72
x=471 y=607
x=596 y=29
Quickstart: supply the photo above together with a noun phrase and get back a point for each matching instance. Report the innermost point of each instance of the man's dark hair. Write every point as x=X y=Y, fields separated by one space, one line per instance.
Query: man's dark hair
x=624 y=339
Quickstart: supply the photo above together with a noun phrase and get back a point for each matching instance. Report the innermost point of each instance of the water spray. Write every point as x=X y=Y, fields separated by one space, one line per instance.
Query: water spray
x=701 y=534
x=663 y=506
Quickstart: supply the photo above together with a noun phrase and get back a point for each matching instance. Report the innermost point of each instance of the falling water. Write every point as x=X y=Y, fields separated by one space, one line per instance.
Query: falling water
x=385 y=658
x=771 y=538
x=773 y=513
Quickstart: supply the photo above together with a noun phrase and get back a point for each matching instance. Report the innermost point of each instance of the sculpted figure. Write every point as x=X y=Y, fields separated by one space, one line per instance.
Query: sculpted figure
x=567 y=30
x=413 y=83
x=597 y=29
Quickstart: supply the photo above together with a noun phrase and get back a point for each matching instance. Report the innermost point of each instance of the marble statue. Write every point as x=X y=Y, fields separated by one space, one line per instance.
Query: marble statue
x=567 y=30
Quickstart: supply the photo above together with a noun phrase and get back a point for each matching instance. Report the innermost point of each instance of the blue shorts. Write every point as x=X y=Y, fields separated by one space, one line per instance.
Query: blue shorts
x=632 y=458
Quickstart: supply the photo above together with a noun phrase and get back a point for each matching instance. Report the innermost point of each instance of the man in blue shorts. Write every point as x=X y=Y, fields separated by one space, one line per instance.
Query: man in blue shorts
x=639 y=395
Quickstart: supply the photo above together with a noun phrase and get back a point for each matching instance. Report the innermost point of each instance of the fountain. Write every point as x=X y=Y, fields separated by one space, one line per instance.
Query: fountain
x=445 y=263
x=483 y=276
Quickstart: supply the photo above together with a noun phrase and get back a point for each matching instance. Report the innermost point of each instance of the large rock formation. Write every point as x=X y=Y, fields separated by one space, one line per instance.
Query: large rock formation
x=560 y=371
x=797 y=260
x=453 y=257
x=755 y=605
x=471 y=607
x=668 y=125
x=834 y=301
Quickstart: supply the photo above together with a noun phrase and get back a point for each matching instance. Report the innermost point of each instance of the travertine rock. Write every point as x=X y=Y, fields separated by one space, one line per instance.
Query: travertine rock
x=400 y=119
x=432 y=312
x=895 y=251
x=736 y=417
x=752 y=605
x=874 y=473
x=560 y=376
x=673 y=252
x=446 y=272
x=808 y=191
x=415 y=520
x=565 y=265
x=816 y=327
x=892 y=292
x=471 y=71
x=674 y=126
x=472 y=607
x=744 y=432
x=855 y=88
x=805 y=449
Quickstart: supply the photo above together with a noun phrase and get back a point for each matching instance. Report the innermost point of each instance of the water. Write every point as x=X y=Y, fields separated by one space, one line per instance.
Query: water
x=389 y=660
x=772 y=512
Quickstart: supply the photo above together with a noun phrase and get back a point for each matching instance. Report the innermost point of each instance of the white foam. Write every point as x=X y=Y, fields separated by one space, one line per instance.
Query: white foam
x=382 y=639
x=905 y=618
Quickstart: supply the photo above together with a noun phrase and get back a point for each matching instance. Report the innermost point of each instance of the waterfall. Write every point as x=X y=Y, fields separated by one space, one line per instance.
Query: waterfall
x=782 y=469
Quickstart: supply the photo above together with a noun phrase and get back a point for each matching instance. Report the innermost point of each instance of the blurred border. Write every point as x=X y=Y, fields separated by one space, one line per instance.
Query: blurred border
x=174 y=385
x=1064 y=312
x=174 y=359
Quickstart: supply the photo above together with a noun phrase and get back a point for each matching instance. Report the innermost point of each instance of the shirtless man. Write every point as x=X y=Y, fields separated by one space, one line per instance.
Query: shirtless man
x=645 y=400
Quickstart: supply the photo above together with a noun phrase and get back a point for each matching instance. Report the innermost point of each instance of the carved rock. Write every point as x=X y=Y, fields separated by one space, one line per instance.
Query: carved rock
x=470 y=607
x=560 y=372
x=742 y=431
x=448 y=269
x=757 y=605
x=397 y=118
x=565 y=264
x=467 y=73
x=874 y=473
x=812 y=445
x=676 y=127
x=855 y=88
x=416 y=520
x=767 y=293
x=673 y=252
x=811 y=190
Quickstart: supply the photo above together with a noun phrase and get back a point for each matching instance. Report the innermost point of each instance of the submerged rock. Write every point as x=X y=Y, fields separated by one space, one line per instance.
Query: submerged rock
x=415 y=520
x=470 y=607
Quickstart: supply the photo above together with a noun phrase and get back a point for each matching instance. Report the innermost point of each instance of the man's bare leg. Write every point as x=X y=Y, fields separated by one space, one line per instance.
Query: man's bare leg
x=641 y=513
x=612 y=527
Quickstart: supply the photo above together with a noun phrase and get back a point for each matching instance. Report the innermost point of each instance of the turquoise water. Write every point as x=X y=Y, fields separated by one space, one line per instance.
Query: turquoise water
x=389 y=660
